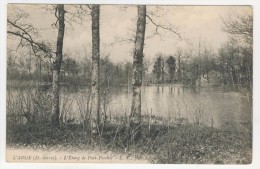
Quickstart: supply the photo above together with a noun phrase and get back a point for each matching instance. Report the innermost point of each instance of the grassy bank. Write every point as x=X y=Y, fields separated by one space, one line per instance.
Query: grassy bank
x=181 y=144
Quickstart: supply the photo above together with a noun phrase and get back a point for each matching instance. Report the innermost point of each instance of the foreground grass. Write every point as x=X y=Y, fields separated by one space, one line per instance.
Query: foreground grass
x=182 y=144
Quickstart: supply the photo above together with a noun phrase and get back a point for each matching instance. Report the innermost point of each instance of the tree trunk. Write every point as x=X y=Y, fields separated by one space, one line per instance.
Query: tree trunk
x=135 y=116
x=179 y=68
x=56 y=68
x=40 y=70
x=128 y=82
x=162 y=71
x=95 y=98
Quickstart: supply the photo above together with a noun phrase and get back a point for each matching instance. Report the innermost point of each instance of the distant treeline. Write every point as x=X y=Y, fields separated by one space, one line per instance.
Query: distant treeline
x=231 y=65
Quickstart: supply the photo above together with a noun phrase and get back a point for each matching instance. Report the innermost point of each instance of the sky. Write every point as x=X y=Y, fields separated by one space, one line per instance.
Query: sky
x=194 y=23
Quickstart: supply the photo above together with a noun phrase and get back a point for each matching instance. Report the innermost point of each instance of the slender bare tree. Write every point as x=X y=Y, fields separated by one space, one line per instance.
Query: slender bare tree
x=28 y=36
x=135 y=116
x=56 y=67
x=95 y=94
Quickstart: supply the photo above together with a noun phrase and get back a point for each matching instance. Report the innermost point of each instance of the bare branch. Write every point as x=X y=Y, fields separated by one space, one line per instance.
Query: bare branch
x=89 y=7
x=77 y=13
x=120 y=40
x=240 y=26
x=155 y=12
x=24 y=34
x=170 y=28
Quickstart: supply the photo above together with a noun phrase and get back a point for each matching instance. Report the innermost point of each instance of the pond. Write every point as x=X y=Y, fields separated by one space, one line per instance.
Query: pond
x=210 y=107
x=168 y=103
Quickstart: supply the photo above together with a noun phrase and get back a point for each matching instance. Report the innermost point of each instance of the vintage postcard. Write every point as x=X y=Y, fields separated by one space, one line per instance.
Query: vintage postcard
x=160 y=84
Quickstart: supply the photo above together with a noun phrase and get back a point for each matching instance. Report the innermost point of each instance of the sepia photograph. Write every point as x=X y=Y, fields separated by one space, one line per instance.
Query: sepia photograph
x=151 y=84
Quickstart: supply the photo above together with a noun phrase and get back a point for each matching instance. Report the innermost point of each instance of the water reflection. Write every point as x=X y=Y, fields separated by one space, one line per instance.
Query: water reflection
x=209 y=107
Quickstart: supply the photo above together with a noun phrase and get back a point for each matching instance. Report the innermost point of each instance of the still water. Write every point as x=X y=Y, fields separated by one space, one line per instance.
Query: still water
x=161 y=104
x=209 y=107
